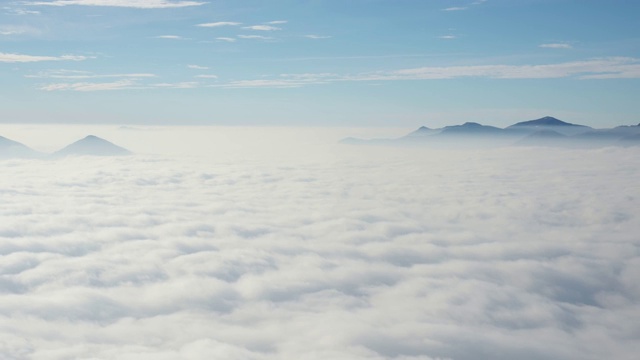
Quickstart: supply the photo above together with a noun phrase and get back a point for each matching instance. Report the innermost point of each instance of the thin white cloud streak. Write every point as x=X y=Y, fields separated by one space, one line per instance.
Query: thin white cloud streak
x=620 y=66
x=447 y=37
x=197 y=67
x=207 y=76
x=170 y=37
x=260 y=256
x=594 y=69
x=20 y=11
x=262 y=28
x=22 y=58
x=462 y=8
x=21 y=30
x=261 y=83
x=277 y=22
x=178 y=85
x=606 y=68
x=255 y=37
x=556 y=46
x=316 y=37
x=74 y=74
x=226 y=39
x=92 y=86
x=139 y=4
x=219 y=24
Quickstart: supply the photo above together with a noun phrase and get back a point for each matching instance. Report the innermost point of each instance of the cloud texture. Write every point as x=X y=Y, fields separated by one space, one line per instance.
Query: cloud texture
x=343 y=253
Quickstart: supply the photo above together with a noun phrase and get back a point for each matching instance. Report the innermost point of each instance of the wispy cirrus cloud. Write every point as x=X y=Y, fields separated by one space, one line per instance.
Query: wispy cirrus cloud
x=170 y=37
x=448 y=37
x=317 y=37
x=177 y=85
x=592 y=69
x=262 y=28
x=23 y=58
x=613 y=66
x=264 y=83
x=91 y=86
x=197 y=67
x=464 y=7
x=20 y=11
x=10 y=32
x=139 y=4
x=75 y=75
x=556 y=46
x=219 y=24
x=455 y=8
x=226 y=39
x=124 y=81
x=255 y=37
x=606 y=68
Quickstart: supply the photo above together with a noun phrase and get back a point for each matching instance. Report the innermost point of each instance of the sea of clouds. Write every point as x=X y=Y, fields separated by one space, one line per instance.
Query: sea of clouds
x=236 y=243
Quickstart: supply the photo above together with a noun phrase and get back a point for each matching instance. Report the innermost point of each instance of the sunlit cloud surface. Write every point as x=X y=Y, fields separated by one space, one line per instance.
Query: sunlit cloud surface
x=341 y=252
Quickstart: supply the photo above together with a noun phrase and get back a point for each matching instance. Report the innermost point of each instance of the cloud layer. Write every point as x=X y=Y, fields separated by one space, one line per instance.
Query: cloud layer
x=23 y=58
x=336 y=252
x=591 y=69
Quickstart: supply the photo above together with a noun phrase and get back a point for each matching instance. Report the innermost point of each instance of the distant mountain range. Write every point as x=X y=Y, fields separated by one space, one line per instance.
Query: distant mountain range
x=89 y=146
x=546 y=131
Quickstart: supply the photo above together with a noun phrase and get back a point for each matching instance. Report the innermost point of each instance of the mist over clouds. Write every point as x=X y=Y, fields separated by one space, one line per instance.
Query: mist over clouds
x=239 y=244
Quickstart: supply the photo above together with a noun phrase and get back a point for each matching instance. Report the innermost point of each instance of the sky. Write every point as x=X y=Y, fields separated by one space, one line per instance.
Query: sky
x=374 y=63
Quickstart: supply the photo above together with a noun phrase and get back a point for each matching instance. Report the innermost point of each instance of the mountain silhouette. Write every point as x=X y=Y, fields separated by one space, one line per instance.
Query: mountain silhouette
x=549 y=123
x=546 y=131
x=14 y=149
x=93 y=146
x=471 y=128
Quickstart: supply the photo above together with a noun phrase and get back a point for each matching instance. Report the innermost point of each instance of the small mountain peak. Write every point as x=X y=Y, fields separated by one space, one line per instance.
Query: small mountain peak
x=93 y=145
x=470 y=123
x=545 y=121
x=13 y=149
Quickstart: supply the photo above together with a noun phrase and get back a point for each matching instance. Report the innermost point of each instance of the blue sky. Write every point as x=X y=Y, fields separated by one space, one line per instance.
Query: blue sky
x=400 y=63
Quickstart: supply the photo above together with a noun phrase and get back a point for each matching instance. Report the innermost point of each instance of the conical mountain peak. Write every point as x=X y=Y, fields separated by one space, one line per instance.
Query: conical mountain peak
x=92 y=145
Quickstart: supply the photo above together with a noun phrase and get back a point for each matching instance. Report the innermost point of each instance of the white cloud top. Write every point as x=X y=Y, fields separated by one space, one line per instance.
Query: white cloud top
x=373 y=254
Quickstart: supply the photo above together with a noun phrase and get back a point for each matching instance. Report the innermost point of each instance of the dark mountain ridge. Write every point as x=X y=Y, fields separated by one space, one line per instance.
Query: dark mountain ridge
x=88 y=146
x=546 y=131
x=13 y=149
x=93 y=146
